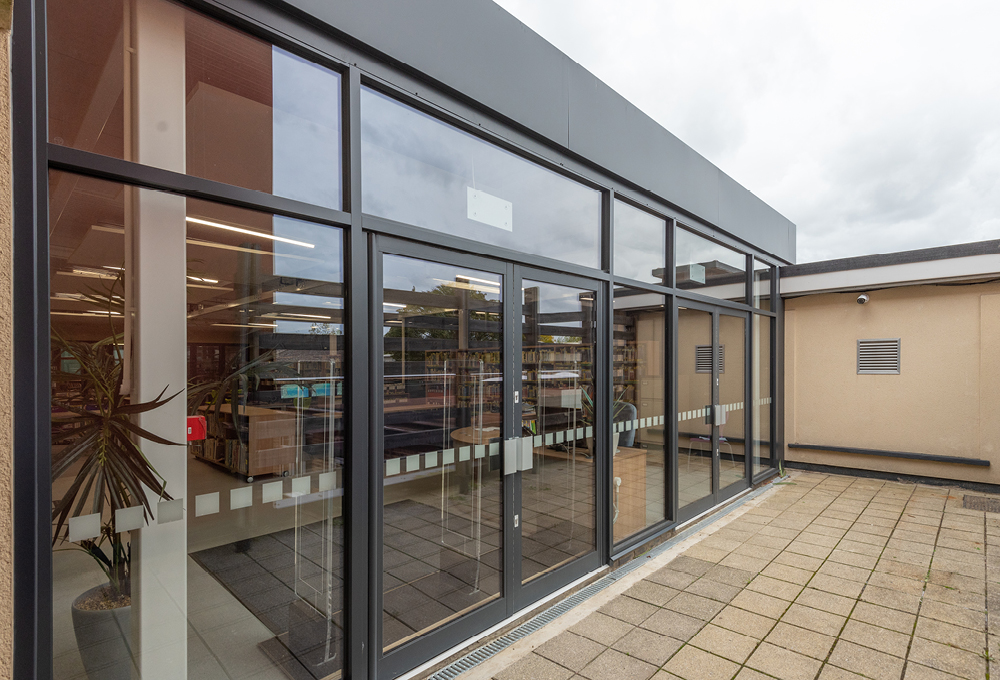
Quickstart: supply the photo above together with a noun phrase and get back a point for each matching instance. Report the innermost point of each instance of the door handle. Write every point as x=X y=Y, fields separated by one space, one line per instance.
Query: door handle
x=527 y=451
x=510 y=455
x=517 y=454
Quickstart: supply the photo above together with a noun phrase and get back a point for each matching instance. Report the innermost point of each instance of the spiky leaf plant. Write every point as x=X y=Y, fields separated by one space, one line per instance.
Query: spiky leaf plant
x=99 y=438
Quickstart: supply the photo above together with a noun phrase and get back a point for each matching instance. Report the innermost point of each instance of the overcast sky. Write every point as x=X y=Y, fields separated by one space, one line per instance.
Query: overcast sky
x=873 y=125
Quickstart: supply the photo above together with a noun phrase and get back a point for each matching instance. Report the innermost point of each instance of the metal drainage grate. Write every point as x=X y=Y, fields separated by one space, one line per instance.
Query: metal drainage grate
x=478 y=656
x=981 y=503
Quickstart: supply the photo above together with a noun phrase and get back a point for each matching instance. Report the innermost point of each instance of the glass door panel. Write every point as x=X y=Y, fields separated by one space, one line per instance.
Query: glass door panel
x=732 y=391
x=442 y=409
x=694 y=405
x=557 y=415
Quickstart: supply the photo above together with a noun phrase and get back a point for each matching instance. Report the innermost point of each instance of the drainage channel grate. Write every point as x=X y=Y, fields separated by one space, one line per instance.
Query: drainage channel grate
x=478 y=656
x=981 y=503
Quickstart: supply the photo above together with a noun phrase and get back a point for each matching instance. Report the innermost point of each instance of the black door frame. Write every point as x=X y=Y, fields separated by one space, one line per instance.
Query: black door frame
x=718 y=494
x=514 y=596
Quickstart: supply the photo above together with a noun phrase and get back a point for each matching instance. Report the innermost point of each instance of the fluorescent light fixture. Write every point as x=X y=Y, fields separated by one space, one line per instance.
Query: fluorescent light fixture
x=203 y=280
x=472 y=278
x=217 y=225
x=104 y=315
x=393 y=304
x=120 y=269
x=102 y=311
x=247 y=325
x=303 y=316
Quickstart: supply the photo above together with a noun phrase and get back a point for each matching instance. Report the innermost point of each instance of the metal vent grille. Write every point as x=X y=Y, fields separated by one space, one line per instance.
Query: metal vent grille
x=880 y=357
x=981 y=503
x=703 y=359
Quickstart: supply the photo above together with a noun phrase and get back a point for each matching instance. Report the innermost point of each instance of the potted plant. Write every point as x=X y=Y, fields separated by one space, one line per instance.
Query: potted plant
x=97 y=439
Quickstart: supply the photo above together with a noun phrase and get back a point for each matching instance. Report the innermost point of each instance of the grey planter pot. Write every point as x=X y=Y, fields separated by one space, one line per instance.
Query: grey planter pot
x=104 y=640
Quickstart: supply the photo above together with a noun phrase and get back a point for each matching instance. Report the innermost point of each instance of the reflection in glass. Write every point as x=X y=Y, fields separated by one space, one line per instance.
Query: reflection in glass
x=638 y=480
x=694 y=403
x=442 y=409
x=762 y=284
x=732 y=391
x=761 y=386
x=640 y=244
x=242 y=557
x=708 y=267
x=195 y=96
x=418 y=170
x=557 y=413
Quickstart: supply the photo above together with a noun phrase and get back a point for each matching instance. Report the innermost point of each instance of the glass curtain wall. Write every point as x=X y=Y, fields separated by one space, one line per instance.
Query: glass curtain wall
x=153 y=82
x=558 y=493
x=422 y=171
x=761 y=390
x=709 y=268
x=197 y=364
x=442 y=409
x=197 y=353
x=694 y=405
x=639 y=413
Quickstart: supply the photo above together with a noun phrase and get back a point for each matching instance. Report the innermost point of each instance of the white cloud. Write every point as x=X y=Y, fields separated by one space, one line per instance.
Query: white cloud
x=874 y=126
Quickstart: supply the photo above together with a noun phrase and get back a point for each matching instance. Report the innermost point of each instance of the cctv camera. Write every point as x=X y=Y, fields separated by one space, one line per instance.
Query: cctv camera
x=863 y=298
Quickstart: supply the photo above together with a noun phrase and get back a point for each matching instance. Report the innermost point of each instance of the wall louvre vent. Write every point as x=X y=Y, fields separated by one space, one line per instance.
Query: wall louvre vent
x=879 y=357
x=703 y=359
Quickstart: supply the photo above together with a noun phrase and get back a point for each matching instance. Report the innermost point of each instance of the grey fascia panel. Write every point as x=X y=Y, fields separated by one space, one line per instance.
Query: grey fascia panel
x=761 y=226
x=472 y=46
x=476 y=48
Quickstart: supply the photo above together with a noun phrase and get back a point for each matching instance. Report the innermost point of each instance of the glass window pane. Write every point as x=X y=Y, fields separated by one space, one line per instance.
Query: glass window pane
x=694 y=404
x=639 y=422
x=419 y=170
x=235 y=560
x=709 y=268
x=558 y=325
x=732 y=395
x=762 y=284
x=761 y=386
x=442 y=406
x=640 y=244
x=159 y=84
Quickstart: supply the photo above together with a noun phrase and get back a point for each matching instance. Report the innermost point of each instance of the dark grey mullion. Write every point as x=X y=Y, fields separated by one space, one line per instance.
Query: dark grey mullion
x=671 y=267
x=716 y=361
x=604 y=388
x=778 y=383
x=511 y=429
x=674 y=483
x=358 y=651
x=750 y=360
x=375 y=453
x=136 y=174
x=748 y=280
x=32 y=492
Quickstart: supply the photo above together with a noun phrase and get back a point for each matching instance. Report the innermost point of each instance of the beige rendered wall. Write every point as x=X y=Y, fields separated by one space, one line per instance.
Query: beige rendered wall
x=946 y=400
x=6 y=352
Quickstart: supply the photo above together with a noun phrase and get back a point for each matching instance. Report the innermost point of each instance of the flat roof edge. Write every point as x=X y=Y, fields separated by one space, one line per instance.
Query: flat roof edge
x=890 y=259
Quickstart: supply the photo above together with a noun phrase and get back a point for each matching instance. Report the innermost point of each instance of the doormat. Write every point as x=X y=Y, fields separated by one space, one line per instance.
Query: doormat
x=981 y=503
x=262 y=573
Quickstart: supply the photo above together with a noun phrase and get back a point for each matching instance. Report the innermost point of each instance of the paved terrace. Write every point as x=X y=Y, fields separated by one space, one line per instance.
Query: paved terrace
x=824 y=576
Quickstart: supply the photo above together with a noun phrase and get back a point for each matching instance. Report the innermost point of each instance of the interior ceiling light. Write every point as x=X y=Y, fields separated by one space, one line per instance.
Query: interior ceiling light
x=472 y=278
x=393 y=304
x=203 y=280
x=247 y=325
x=301 y=316
x=217 y=225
